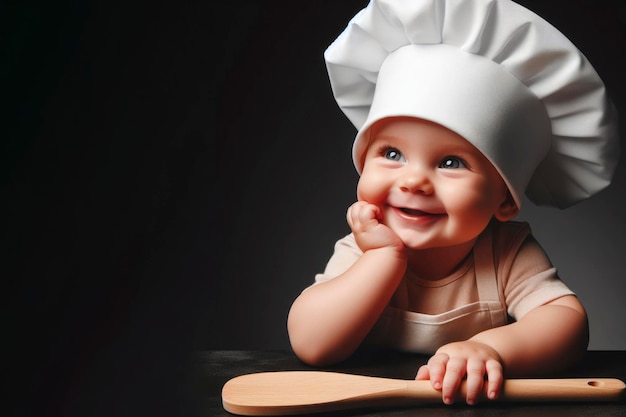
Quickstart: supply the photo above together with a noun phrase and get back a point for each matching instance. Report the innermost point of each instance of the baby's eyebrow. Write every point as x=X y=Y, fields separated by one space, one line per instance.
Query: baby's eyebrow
x=385 y=137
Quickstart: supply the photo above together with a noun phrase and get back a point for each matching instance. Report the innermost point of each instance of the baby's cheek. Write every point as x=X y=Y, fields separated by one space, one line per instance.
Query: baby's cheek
x=366 y=192
x=371 y=189
x=361 y=192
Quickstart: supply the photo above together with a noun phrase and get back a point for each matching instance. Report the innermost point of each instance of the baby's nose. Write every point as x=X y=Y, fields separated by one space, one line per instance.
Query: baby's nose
x=415 y=181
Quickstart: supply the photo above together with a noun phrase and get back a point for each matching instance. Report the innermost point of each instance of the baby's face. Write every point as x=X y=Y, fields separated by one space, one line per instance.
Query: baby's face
x=434 y=188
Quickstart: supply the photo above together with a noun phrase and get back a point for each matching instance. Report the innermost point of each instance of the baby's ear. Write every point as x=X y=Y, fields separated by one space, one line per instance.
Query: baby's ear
x=508 y=209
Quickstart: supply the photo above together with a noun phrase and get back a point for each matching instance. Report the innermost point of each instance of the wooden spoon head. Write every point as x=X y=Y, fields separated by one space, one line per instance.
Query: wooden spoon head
x=298 y=392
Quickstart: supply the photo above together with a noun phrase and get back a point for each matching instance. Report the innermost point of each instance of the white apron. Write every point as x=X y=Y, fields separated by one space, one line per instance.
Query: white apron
x=425 y=333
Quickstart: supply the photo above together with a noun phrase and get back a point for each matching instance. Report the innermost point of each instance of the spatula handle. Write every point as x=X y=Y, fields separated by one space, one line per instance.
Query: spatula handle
x=570 y=389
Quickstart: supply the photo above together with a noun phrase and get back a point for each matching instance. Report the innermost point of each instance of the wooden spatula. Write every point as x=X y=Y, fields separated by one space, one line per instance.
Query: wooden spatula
x=300 y=392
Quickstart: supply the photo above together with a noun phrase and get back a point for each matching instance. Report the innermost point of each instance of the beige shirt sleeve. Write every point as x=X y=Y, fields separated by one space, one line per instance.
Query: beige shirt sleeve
x=346 y=253
x=526 y=276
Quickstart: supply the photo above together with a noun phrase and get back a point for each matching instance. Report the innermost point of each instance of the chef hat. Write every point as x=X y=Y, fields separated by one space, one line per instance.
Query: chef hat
x=493 y=72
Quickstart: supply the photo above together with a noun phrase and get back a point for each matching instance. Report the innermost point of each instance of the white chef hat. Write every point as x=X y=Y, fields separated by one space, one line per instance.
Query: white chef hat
x=493 y=72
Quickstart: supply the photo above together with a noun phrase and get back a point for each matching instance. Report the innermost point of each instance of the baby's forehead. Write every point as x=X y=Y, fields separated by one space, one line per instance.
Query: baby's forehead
x=407 y=128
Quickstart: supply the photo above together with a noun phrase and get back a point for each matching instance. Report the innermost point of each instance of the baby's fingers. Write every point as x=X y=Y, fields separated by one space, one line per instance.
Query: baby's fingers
x=475 y=381
x=495 y=379
x=423 y=374
x=437 y=369
x=362 y=216
x=455 y=372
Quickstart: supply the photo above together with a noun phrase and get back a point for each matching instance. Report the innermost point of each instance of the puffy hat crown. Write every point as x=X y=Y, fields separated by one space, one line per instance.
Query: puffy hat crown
x=492 y=71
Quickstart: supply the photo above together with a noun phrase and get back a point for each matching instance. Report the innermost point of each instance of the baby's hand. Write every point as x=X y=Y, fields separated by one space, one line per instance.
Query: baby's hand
x=455 y=361
x=369 y=232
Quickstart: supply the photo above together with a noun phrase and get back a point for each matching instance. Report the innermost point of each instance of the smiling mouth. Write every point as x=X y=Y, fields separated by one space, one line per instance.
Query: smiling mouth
x=414 y=212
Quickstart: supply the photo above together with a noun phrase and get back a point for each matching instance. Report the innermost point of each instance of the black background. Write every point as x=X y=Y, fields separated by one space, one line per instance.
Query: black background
x=175 y=173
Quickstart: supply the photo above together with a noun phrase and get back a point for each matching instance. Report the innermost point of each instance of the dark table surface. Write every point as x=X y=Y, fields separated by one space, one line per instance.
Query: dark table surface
x=214 y=368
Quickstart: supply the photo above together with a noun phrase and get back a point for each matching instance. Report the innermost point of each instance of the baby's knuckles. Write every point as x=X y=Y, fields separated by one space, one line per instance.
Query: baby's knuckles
x=362 y=217
x=369 y=233
x=470 y=349
x=478 y=359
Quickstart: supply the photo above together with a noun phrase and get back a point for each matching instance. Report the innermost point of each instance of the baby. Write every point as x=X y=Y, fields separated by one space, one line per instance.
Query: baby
x=462 y=107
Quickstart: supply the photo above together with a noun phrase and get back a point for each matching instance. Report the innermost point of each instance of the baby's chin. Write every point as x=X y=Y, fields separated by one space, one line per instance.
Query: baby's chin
x=417 y=241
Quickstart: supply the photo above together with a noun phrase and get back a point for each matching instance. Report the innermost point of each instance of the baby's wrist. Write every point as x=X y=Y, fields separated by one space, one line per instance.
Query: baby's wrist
x=392 y=251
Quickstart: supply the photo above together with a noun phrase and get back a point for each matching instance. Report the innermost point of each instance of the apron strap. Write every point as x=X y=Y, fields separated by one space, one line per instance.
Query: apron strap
x=486 y=279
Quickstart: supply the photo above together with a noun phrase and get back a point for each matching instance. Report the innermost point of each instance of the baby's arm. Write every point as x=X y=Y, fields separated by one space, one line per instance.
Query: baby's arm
x=328 y=321
x=548 y=338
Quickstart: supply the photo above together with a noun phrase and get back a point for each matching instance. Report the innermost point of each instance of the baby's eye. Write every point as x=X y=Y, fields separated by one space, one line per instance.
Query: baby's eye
x=393 y=154
x=452 y=162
